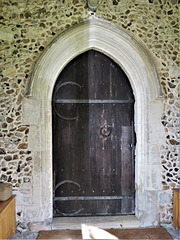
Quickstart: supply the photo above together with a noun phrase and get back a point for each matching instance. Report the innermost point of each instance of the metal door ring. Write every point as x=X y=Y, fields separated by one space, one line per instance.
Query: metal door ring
x=105 y=130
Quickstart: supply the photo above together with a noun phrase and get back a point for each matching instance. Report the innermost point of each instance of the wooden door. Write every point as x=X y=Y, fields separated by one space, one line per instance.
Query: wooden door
x=93 y=138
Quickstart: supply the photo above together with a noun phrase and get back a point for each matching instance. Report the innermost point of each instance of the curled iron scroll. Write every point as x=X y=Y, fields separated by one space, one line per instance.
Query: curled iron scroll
x=54 y=101
x=66 y=181
x=55 y=208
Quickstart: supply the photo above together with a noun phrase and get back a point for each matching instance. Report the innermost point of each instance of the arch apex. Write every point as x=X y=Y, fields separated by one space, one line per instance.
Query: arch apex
x=103 y=37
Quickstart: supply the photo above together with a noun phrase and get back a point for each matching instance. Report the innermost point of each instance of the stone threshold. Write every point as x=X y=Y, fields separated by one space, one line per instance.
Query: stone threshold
x=105 y=222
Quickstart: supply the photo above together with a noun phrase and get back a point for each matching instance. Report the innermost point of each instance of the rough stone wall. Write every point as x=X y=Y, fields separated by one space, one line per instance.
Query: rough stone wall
x=27 y=29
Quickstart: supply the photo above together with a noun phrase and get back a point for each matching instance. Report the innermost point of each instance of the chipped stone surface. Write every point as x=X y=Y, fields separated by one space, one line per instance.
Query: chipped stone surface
x=28 y=27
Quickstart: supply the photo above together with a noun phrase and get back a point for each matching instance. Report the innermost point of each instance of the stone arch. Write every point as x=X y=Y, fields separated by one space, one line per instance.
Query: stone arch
x=143 y=77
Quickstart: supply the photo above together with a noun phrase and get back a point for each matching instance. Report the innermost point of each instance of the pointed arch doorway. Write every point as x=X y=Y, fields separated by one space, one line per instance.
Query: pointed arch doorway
x=93 y=138
x=148 y=107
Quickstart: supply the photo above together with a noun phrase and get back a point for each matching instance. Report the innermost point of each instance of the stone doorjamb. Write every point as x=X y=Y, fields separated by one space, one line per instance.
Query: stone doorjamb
x=140 y=70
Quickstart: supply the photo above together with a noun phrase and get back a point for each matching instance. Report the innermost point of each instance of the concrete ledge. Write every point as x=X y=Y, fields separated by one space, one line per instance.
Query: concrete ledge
x=105 y=222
